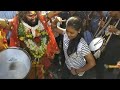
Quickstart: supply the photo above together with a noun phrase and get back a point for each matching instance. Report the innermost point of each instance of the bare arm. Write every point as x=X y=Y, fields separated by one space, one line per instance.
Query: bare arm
x=53 y=13
x=114 y=30
x=57 y=28
x=90 y=63
x=54 y=23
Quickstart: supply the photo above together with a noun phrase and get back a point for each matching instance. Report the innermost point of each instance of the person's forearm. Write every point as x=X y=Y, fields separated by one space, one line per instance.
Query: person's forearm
x=118 y=32
x=85 y=68
x=57 y=29
x=53 y=13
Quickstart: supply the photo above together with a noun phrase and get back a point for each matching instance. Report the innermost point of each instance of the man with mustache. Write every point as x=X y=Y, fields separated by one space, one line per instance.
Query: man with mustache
x=29 y=30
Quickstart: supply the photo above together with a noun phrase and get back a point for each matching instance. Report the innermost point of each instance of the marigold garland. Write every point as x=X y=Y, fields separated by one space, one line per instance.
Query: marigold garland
x=36 y=45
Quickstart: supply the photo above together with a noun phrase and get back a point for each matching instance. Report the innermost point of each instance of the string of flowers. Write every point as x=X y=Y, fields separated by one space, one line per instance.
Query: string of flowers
x=36 y=45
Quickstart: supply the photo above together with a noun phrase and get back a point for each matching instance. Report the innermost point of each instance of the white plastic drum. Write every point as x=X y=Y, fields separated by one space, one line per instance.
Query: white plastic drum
x=96 y=44
x=15 y=63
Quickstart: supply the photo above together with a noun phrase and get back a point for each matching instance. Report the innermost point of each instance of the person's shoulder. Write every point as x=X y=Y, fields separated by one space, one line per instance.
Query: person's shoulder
x=64 y=32
x=82 y=40
x=84 y=43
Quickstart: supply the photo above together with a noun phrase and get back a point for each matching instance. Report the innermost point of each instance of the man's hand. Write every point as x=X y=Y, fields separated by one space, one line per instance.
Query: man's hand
x=54 y=23
x=58 y=19
x=118 y=64
x=53 y=13
x=112 y=29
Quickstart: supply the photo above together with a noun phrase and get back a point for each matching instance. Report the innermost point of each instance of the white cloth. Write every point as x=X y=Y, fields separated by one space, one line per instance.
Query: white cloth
x=40 y=25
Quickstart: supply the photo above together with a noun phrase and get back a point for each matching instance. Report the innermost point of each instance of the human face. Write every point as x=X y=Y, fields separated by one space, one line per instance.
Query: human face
x=71 y=32
x=31 y=18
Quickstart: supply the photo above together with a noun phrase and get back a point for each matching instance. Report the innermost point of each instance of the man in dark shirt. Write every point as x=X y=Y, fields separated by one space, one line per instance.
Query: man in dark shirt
x=111 y=53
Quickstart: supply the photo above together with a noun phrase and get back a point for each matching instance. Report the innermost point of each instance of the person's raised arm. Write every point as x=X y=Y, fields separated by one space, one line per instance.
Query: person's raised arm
x=56 y=27
x=52 y=14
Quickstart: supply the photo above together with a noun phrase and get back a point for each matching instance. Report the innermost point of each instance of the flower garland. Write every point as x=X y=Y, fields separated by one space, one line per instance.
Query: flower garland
x=36 y=45
x=3 y=39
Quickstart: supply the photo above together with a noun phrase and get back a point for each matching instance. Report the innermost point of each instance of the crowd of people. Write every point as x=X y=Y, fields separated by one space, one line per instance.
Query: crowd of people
x=58 y=42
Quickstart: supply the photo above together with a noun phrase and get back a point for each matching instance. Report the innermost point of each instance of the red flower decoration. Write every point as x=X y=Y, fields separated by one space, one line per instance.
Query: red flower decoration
x=37 y=39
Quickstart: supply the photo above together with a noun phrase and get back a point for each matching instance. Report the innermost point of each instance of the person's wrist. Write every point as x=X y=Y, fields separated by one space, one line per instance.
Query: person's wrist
x=76 y=71
x=117 y=33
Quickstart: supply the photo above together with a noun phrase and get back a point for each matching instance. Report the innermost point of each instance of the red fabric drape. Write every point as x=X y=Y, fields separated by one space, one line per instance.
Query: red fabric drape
x=52 y=46
x=14 y=41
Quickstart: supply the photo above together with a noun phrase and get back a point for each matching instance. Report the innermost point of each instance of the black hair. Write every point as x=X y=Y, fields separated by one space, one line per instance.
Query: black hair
x=21 y=16
x=75 y=23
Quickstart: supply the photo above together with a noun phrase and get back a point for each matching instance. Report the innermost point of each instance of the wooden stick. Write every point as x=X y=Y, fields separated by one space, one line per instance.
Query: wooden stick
x=111 y=66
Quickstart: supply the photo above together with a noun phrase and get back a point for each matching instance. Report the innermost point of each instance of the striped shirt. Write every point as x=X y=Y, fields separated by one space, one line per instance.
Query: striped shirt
x=75 y=60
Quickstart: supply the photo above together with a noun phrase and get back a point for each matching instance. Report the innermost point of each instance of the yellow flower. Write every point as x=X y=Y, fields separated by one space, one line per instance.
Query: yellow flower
x=21 y=38
x=28 y=36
